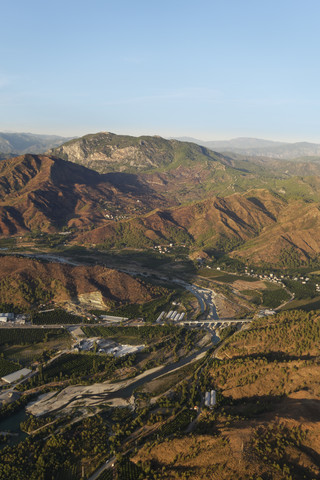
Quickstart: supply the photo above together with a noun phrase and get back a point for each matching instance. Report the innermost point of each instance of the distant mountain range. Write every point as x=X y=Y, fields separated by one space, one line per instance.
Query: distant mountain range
x=13 y=144
x=258 y=147
x=142 y=152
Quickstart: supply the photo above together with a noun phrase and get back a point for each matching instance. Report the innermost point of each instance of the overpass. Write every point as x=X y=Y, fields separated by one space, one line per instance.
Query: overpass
x=216 y=322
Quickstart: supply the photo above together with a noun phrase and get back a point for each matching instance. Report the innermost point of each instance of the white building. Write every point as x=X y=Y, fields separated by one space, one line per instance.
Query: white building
x=15 y=376
x=6 y=317
x=210 y=399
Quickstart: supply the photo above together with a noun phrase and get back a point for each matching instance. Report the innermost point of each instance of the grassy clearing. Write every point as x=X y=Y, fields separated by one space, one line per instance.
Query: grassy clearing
x=308 y=304
x=222 y=276
x=56 y=317
x=25 y=349
x=149 y=310
x=165 y=383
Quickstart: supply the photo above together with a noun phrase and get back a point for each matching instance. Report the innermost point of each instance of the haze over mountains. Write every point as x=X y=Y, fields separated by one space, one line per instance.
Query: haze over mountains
x=259 y=147
x=13 y=144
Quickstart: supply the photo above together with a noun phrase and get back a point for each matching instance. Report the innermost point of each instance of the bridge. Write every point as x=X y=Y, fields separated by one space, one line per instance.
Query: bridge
x=221 y=321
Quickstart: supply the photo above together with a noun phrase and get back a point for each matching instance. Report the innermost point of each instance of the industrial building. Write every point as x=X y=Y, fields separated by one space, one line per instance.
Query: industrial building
x=111 y=318
x=210 y=399
x=15 y=376
x=6 y=317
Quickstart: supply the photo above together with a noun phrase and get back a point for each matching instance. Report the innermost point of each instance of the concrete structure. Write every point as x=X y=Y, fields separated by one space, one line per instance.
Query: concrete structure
x=210 y=399
x=160 y=317
x=21 y=319
x=15 y=376
x=111 y=318
x=6 y=317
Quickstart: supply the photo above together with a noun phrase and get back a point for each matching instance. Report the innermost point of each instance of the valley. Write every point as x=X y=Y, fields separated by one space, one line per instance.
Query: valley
x=141 y=274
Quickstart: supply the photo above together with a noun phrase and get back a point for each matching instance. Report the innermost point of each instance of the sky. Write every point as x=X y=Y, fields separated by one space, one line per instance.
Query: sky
x=206 y=69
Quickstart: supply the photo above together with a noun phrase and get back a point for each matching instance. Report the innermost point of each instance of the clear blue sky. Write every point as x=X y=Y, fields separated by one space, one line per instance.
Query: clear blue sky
x=207 y=69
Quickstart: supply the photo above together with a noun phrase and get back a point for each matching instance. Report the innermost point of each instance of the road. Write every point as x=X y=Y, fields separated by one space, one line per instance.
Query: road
x=108 y=464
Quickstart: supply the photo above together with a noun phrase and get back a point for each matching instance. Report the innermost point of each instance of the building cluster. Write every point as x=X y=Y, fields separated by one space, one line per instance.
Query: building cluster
x=12 y=318
x=172 y=315
x=110 y=216
x=113 y=319
x=163 y=248
x=271 y=277
x=210 y=399
x=109 y=347
x=265 y=312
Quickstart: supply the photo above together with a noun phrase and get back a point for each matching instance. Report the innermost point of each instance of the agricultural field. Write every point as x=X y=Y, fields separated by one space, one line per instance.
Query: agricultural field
x=7 y=367
x=136 y=335
x=127 y=470
x=28 y=336
x=75 y=366
x=29 y=344
x=221 y=276
x=178 y=425
x=271 y=296
x=307 y=304
x=63 y=456
x=149 y=310
x=56 y=317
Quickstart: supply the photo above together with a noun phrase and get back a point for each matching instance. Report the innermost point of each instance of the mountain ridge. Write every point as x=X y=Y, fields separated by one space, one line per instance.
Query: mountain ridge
x=260 y=147
x=14 y=144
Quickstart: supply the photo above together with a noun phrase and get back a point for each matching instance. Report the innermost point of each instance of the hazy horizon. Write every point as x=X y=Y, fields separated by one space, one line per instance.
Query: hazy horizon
x=168 y=136
x=208 y=71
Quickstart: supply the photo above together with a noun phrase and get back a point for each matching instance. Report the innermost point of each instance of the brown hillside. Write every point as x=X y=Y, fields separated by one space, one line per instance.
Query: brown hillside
x=41 y=192
x=24 y=279
x=297 y=227
x=266 y=424
x=237 y=217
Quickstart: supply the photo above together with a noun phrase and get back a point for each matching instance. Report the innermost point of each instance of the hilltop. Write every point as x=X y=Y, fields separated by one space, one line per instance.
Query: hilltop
x=185 y=171
x=106 y=151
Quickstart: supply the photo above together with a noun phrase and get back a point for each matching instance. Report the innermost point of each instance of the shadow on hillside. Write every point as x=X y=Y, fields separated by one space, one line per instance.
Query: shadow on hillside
x=279 y=406
x=127 y=182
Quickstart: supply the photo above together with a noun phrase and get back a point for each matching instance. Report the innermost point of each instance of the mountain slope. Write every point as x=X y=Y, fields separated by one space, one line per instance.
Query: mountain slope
x=257 y=226
x=183 y=171
x=107 y=152
x=300 y=233
x=205 y=224
x=24 y=281
x=41 y=192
